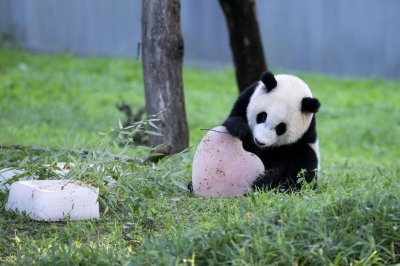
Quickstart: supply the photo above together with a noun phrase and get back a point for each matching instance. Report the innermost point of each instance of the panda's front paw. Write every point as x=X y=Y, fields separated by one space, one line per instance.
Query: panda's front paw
x=190 y=187
x=237 y=126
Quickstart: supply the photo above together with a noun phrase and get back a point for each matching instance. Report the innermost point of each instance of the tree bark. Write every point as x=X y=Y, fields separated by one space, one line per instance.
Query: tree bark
x=245 y=40
x=162 y=55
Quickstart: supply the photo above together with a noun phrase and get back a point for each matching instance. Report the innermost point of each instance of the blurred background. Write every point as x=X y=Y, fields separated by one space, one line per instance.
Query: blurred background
x=347 y=38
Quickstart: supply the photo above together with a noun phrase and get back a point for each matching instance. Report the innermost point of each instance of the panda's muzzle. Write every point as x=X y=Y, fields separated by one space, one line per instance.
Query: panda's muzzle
x=258 y=143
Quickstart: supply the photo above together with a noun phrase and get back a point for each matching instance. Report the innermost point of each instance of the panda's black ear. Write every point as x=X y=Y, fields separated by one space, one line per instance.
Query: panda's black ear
x=269 y=81
x=309 y=104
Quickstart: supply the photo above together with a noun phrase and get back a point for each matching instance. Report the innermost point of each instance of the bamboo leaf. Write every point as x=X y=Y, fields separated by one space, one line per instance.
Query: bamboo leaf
x=153 y=133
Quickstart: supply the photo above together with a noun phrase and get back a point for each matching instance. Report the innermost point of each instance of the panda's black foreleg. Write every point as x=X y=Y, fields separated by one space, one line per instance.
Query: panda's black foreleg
x=309 y=175
x=190 y=187
x=276 y=178
x=283 y=187
x=305 y=171
x=237 y=126
x=259 y=183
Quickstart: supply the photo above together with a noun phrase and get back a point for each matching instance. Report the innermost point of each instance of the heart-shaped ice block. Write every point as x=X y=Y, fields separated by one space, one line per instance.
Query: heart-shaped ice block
x=221 y=167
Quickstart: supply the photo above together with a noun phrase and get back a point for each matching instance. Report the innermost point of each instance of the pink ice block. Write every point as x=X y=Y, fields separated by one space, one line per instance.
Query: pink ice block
x=221 y=167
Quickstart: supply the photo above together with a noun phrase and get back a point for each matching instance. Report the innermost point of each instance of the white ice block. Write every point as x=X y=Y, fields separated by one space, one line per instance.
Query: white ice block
x=54 y=200
x=6 y=174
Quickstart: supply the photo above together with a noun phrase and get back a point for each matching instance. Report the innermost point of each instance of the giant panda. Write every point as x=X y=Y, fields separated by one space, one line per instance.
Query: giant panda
x=273 y=119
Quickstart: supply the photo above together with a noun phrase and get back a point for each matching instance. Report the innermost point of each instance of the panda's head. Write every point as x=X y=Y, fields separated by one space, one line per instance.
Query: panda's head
x=280 y=110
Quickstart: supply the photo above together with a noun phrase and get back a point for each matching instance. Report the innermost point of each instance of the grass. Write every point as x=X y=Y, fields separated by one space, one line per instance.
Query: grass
x=148 y=217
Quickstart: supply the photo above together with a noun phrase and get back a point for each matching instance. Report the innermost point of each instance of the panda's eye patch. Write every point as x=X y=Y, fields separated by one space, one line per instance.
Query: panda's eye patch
x=261 y=117
x=280 y=129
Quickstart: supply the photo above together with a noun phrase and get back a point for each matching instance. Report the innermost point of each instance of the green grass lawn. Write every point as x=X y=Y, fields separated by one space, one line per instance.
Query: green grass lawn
x=148 y=217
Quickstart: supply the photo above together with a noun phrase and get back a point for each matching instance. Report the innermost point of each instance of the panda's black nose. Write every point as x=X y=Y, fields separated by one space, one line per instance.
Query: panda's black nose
x=258 y=143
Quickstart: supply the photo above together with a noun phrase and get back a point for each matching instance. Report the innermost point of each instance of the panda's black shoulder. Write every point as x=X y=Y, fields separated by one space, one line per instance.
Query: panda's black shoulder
x=240 y=107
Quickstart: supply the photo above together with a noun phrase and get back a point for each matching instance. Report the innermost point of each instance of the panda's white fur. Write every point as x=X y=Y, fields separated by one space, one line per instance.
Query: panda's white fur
x=315 y=147
x=282 y=105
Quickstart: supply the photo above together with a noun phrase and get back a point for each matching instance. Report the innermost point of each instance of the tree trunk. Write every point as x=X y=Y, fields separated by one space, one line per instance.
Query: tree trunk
x=162 y=51
x=245 y=40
